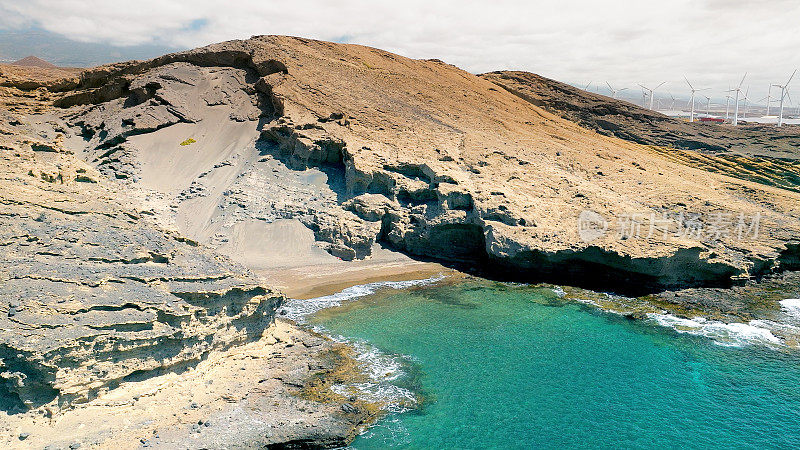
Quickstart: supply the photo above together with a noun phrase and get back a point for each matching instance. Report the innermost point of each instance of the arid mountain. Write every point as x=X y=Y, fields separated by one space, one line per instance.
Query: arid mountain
x=760 y=153
x=419 y=155
x=636 y=124
x=32 y=61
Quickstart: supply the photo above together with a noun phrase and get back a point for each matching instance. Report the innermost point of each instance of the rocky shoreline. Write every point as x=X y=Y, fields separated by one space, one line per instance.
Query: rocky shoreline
x=120 y=333
x=270 y=393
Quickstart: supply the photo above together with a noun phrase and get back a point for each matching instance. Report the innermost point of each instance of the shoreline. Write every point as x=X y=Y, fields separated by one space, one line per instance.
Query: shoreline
x=122 y=416
x=307 y=282
x=284 y=398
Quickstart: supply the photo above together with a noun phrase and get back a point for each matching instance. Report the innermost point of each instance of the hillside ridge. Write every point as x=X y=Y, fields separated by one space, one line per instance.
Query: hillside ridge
x=427 y=159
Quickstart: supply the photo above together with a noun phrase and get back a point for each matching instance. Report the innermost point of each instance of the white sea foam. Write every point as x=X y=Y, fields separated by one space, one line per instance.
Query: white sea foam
x=298 y=310
x=791 y=306
x=727 y=334
x=382 y=369
x=559 y=291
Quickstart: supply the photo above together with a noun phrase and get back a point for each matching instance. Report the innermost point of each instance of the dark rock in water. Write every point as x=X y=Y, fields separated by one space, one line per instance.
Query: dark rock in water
x=755 y=300
x=350 y=409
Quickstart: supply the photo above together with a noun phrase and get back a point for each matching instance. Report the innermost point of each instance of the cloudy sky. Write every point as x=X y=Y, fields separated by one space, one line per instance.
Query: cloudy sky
x=713 y=42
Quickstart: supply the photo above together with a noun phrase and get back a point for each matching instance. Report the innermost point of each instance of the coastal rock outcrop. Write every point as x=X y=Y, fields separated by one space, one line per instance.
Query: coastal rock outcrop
x=94 y=293
x=364 y=146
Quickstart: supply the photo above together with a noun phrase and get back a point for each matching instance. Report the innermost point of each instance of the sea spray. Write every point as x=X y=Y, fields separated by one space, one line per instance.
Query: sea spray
x=791 y=306
x=733 y=334
x=766 y=333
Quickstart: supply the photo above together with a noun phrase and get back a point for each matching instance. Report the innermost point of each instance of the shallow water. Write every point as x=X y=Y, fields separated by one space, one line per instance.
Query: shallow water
x=501 y=366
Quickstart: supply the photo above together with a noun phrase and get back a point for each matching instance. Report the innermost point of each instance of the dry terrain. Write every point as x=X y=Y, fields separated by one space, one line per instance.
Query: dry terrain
x=152 y=208
x=761 y=153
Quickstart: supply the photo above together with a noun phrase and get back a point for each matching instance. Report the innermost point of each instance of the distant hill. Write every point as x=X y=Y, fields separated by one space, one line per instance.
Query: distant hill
x=633 y=123
x=65 y=52
x=32 y=61
x=761 y=153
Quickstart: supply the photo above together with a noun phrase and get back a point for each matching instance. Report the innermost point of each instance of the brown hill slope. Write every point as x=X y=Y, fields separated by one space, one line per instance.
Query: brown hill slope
x=32 y=61
x=419 y=155
x=633 y=123
x=760 y=153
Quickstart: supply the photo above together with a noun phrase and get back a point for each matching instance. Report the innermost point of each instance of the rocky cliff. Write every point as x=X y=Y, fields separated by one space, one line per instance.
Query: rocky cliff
x=94 y=293
x=364 y=146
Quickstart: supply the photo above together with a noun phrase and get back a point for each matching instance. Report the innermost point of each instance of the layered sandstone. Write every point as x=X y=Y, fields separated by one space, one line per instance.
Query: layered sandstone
x=94 y=293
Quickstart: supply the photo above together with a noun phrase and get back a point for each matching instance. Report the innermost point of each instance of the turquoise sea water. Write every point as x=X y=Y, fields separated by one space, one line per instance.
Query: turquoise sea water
x=501 y=366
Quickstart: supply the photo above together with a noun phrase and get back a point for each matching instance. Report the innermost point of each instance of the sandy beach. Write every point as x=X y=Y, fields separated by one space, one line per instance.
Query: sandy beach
x=326 y=279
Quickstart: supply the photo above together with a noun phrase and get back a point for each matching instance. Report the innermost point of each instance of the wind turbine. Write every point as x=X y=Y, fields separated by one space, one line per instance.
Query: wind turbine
x=728 y=99
x=738 y=91
x=672 y=105
x=708 y=106
x=769 y=98
x=746 y=99
x=789 y=97
x=652 y=92
x=784 y=93
x=691 y=116
x=587 y=86
x=614 y=91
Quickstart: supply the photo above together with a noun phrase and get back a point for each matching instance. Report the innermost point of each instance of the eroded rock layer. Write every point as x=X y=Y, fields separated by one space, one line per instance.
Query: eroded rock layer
x=92 y=292
x=418 y=155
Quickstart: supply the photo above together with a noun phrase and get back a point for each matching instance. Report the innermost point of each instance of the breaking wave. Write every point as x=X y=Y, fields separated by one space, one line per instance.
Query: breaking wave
x=792 y=307
x=298 y=310
x=727 y=334
x=381 y=368
x=770 y=333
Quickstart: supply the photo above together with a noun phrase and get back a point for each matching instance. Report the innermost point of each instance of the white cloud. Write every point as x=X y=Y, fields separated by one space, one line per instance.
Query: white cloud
x=711 y=41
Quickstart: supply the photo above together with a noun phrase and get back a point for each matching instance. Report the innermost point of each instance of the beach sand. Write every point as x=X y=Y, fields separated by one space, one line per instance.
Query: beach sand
x=317 y=280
